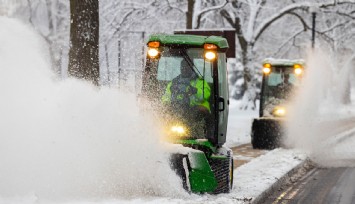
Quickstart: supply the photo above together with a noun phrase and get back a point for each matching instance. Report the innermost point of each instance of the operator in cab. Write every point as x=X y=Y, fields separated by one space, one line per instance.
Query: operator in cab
x=285 y=88
x=188 y=93
x=187 y=90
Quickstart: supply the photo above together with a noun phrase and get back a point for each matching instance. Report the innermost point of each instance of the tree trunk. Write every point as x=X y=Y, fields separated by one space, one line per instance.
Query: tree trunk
x=84 y=40
x=246 y=59
x=247 y=62
x=189 y=13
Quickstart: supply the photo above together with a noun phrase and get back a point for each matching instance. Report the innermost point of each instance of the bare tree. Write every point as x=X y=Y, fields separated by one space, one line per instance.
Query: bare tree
x=245 y=17
x=50 y=18
x=84 y=40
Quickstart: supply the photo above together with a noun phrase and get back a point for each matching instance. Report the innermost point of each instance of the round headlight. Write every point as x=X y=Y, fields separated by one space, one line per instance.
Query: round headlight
x=178 y=130
x=153 y=52
x=279 y=111
x=210 y=55
x=298 y=71
x=266 y=70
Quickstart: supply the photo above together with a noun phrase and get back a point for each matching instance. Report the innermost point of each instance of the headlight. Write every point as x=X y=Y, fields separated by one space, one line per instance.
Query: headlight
x=279 y=111
x=266 y=70
x=178 y=129
x=298 y=71
x=153 y=52
x=210 y=55
x=174 y=130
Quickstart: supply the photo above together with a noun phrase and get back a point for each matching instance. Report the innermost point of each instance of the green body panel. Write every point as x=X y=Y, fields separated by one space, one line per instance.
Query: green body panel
x=194 y=142
x=191 y=40
x=201 y=176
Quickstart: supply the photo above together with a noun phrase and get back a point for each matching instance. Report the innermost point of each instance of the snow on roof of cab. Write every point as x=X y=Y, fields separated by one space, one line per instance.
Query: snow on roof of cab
x=283 y=62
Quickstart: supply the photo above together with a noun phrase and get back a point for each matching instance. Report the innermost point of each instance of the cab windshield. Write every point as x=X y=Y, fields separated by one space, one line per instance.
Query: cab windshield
x=279 y=86
x=183 y=86
x=170 y=61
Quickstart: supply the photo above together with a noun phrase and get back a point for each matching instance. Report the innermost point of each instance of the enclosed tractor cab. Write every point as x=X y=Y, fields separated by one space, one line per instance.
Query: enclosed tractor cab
x=281 y=79
x=207 y=166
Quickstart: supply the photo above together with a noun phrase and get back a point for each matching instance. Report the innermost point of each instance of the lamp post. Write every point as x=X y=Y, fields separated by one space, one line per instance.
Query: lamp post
x=313 y=10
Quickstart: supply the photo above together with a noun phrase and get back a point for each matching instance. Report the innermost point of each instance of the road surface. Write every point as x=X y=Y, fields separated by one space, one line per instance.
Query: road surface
x=323 y=186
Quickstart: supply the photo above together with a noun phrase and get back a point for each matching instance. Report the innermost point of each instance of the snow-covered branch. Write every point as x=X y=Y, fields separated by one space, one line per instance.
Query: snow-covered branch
x=208 y=9
x=288 y=40
x=174 y=7
x=346 y=15
x=254 y=7
x=304 y=5
x=198 y=14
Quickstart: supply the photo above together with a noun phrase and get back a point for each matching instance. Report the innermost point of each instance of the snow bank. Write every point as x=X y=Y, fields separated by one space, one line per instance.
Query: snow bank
x=255 y=177
x=67 y=140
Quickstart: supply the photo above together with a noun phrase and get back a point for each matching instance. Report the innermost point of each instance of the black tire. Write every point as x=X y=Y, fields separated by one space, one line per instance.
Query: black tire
x=223 y=170
x=180 y=164
x=266 y=134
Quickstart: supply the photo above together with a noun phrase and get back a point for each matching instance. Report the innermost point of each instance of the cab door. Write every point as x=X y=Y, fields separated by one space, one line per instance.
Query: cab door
x=222 y=99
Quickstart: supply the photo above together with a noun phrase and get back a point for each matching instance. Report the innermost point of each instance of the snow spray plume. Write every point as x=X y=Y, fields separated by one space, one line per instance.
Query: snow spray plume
x=68 y=140
x=314 y=118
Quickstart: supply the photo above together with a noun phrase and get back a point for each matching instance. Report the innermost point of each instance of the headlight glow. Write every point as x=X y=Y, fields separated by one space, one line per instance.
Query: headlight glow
x=210 y=55
x=266 y=70
x=153 y=52
x=298 y=71
x=279 y=111
x=178 y=129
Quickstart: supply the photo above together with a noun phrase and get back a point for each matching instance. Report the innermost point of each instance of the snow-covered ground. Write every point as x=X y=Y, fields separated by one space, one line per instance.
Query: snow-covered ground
x=239 y=124
x=56 y=148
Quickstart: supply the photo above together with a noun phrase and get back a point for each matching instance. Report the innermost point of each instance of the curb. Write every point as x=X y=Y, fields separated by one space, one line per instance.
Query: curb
x=297 y=171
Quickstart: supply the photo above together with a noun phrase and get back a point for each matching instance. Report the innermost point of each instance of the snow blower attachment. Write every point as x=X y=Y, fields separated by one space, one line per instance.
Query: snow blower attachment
x=185 y=80
x=280 y=80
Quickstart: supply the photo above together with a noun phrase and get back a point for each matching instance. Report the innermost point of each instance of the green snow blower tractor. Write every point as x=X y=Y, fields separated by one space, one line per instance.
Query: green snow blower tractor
x=185 y=81
x=281 y=78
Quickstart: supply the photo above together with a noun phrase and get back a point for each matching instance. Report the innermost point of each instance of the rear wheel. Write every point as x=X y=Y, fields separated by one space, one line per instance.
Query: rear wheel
x=223 y=169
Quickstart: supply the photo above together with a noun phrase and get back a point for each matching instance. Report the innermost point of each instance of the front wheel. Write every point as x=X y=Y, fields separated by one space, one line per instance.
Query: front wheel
x=223 y=169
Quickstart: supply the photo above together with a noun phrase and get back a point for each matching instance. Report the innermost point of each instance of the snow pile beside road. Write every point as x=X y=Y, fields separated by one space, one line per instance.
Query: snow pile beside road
x=257 y=176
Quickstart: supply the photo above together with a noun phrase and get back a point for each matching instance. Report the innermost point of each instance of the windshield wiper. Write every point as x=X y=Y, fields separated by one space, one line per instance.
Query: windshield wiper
x=190 y=62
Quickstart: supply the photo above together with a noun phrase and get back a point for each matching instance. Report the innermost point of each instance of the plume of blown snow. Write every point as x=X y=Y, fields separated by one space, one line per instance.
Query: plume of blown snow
x=68 y=139
x=317 y=109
